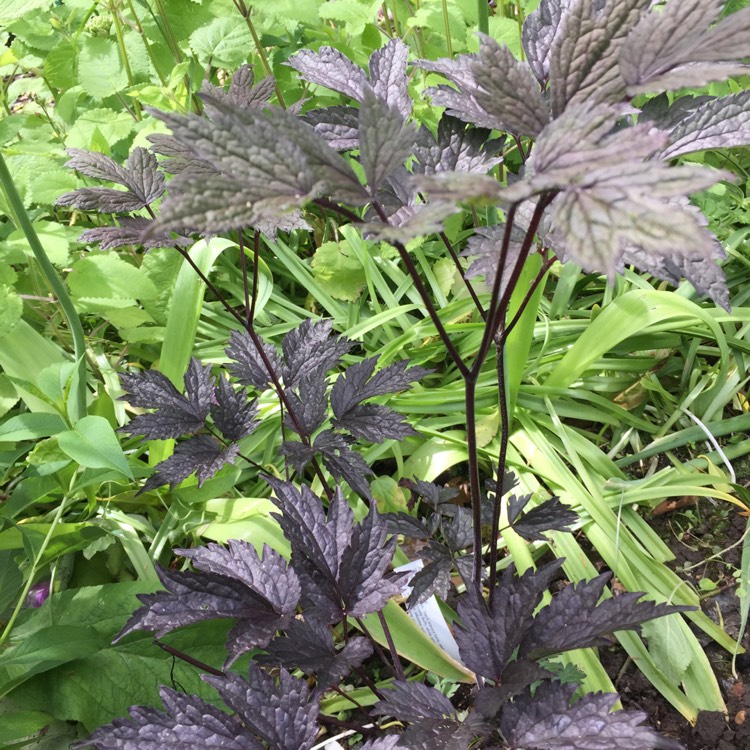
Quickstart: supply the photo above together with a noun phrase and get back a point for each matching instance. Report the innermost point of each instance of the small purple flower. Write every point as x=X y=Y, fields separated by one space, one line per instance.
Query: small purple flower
x=37 y=594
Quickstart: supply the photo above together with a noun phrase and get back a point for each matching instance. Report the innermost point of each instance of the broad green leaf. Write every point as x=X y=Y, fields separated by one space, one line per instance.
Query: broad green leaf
x=31 y=426
x=339 y=271
x=107 y=275
x=13 y=10
x=8 y=395
x=93 y=443
x=100 y=70
x=389 y=496
x=11 y=580
x=11 y=309
x=55 y=239
x=104 y=684
x=668 y=647
x=354 y=14
x=61 y=64
x=46 y=649
x=113 y=127
x=66 y=537
x=222 y=43
x=19 y=725
x=48 y=187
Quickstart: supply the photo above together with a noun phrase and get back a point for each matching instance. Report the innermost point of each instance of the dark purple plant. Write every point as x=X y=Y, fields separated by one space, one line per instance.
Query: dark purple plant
x=597 y=185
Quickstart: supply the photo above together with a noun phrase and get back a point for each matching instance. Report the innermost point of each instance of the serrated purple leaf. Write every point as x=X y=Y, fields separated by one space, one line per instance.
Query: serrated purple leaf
x=308 y=645
x=144 y=178
x=516 y=503
x=96 y=165
x=174 y=414
x=375 y=423
x=665 y=116
x=386 y=140
x=383 y=743
x=413 y=701
x=516 y=677
x=546 y=720
x=458 y=148
x=330 y=68
x=584 y=52
x=246 y=364
x=433 y=580
x=388 y=75
x=675 y=48
x=540 y=30
x=338 y=126
x=200 y=387
x=573 y=619
x=299 y=455
x=310 y=406
x=186 y=720
x=459 y=187
x=432 y=493
x=241 y=94
x=200 y=455
x=180 y=158
x=702 y=272
x=487 y=638
x=360 y=382
x=459 y=531
x=344 y=463
x=718 y=123
x=550 y=515
x=507 y=89
x=403 y=523
x=283 y=715
x=342 y=565
x=259 y=593
x=234 y=416
x=310 y=348
x=129 y=232
x=485 y=246
x=103 y=200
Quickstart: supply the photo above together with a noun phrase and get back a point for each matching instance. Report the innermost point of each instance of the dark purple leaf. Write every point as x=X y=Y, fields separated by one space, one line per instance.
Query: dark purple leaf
x=185 y=719
x=283 y=715
x=573 y=619
x=516 y=503
x=241 y=94
x=104 y=200
x=96 y=165
x=507 y=89
x=233 y=414
x=308 y=645
x=260 y=594
x=310 y=406
x=375 y=423
x=717 y=123
x=342 y=565
x=433 y=579
x=144 y=178
x=299 y=455
x=180 y=158
x=459 y=531
x=459 y=148
x=432 y=493
x=540 y=29
x=201 y=455
x=388 y=75
x=701 y=271
x=546 y=720
x=583 y=65
x=310 y=348
x=413 y=701
x=678 y=48
x=383 y=743
x=330 y=68
x=516 y=677
x=386 y=140
x=343 y=462
x=246 y=364
x=129 y=232
x=338 y=126
x=174 y=414
x=485 y=246
x=487 y=638
x=360 y=382
x=665 y=116
x=403 y=523
x=460 y=187
x=551 y=515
